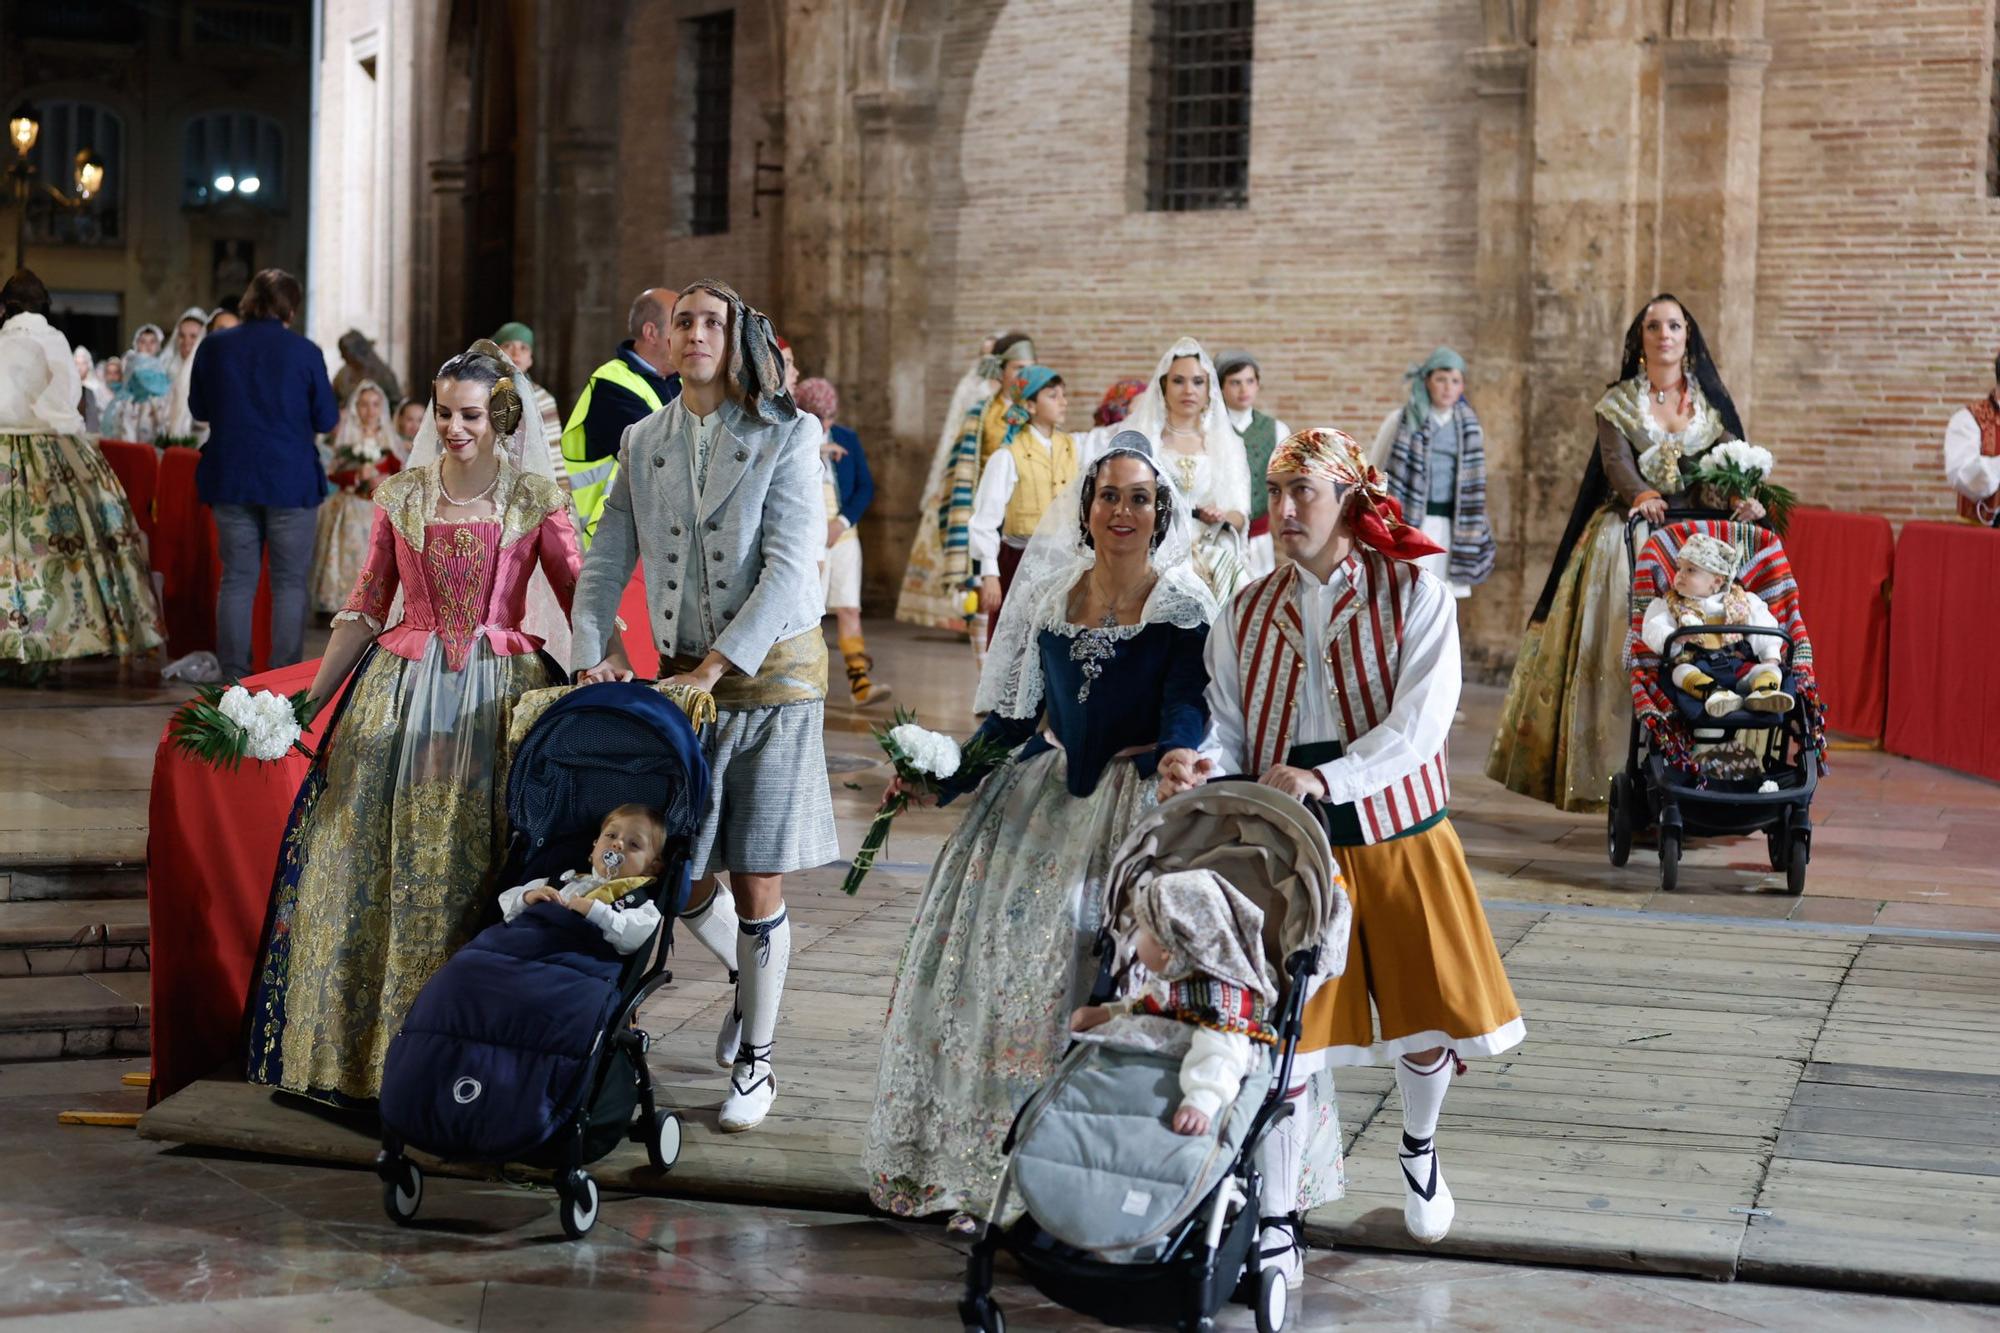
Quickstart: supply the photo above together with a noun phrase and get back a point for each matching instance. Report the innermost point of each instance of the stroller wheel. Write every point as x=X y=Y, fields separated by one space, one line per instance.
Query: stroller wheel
x=663 y=1145
x=1618 y=820
x=1670 y=859
x=1775 y=842
x=1795 y=862
x=576 y=1194
x=991 y=1320
x=1272 y=1296
x=402 y=1189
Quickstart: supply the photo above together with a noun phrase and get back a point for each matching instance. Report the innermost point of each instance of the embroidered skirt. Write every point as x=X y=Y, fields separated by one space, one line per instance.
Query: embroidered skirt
x=73 y=575
x=387 y=865
x=1567 y=720
x=1421 y=952
x=341 y=548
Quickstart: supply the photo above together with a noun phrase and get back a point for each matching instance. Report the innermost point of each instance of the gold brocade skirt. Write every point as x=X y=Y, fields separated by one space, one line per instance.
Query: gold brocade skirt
x=1567 y=720
x=340 y=548
x=73 y=575
x=387 y=865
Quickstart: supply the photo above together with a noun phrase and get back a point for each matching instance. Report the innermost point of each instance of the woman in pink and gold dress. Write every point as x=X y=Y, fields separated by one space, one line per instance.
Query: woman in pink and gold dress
x=400 y=826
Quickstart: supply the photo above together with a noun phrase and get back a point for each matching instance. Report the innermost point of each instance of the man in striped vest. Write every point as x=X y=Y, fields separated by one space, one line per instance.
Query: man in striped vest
x=1335 y=680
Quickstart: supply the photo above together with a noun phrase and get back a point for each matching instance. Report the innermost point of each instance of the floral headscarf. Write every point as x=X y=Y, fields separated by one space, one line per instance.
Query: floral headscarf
x=756 y=367
x=819 y=397
x=1375 y=519
x=1208 y=928
x=1117 y=402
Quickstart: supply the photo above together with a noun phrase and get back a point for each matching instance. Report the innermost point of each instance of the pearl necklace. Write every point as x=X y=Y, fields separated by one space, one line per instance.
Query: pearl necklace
x=472 y=500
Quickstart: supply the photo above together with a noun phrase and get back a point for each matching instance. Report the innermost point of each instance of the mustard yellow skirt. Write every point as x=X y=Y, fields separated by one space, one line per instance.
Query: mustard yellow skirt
x=1421 y=952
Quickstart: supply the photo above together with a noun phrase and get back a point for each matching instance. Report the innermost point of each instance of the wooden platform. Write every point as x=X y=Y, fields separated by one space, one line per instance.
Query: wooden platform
x=1757 y=1100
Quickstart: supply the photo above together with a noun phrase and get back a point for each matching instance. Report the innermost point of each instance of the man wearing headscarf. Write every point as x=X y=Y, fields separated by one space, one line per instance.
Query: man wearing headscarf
x=720 y=493
x=1336 y=682
x=1242 y=379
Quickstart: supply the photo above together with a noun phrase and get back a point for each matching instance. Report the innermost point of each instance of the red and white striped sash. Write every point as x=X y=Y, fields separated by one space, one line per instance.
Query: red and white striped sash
x=1364 y=639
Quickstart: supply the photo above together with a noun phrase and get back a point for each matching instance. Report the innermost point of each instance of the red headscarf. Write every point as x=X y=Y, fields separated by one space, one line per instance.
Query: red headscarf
x=1374 y=518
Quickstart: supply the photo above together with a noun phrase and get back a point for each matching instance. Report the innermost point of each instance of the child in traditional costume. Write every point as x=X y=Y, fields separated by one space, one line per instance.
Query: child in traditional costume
x=632 y=838
x=1717 y=673
x=1209 y=990
x=1031 y=467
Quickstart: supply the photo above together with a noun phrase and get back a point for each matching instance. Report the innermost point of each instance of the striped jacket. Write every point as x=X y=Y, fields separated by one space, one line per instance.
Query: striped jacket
x=1363 y=649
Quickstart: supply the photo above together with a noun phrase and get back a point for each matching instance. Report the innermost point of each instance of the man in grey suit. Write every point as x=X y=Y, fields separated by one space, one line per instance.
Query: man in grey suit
x=720 y=493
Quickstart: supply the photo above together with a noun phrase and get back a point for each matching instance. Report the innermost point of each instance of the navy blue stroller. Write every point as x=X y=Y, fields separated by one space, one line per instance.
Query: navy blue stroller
x=521 y=1048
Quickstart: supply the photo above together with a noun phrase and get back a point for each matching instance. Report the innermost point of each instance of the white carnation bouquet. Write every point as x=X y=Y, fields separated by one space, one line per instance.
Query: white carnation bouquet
x=224 y=725
x=1738 y=469
x=923 y=760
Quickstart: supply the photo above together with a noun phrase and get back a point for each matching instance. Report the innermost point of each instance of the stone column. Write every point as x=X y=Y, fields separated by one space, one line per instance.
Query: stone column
x=1499 y=355
x=1712 y=98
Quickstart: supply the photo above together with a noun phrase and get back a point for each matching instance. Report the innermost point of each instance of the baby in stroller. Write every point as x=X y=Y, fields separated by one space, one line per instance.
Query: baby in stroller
x=1195 y=936
x=631 y=837
x=1717 y=674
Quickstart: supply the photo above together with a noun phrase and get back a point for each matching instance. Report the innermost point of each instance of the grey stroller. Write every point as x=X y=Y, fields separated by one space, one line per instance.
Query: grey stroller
x=1125 y=1220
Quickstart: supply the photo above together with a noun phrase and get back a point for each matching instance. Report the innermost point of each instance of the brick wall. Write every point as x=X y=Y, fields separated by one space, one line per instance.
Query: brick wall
x=1879 y=257
x=1353 y=259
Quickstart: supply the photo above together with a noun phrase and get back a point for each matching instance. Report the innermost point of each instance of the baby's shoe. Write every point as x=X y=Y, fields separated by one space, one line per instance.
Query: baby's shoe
x=1427 y=1202
x=752 y=1089
x=1769 y=701
x=1722 y=703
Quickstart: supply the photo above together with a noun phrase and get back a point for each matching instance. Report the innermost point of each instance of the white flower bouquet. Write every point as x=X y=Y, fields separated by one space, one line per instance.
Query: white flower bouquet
x=923 y=760
x=224 y=725
x=1736 y=470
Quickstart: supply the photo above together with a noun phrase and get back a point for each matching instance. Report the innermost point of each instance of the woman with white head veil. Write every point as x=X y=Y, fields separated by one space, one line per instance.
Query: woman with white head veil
x=361 y=458
x=1093 y=673
x=399 y=828
x=185 y=341
x=141 y=403
x=1181 y=414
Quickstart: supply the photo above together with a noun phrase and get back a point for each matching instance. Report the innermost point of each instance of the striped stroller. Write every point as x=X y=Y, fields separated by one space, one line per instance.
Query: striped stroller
x=1671 y=779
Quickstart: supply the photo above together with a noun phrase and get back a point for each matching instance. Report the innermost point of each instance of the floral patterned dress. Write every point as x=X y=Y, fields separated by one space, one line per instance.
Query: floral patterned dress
x=73 y=575
x=999 y=954
x=398 y=830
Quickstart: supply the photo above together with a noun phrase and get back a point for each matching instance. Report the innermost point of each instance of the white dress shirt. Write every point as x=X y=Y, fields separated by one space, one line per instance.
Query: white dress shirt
x=1241 y=420
x=1970 y=474
x=1419 y=721
x=997 y=480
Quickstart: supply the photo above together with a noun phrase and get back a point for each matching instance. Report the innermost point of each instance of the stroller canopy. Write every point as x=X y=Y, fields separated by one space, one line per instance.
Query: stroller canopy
x=1264 y=843
x=594 y=749
x=1764 y=569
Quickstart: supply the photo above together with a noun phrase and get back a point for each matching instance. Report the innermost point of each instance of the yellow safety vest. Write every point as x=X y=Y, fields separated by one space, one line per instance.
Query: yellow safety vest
x=590 y=479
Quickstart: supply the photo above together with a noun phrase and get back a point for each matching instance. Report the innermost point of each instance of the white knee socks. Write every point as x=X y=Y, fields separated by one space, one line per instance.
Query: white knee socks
x=714 y=924
x=1427 y=1202
x=1281 y=1156
x=763 y=951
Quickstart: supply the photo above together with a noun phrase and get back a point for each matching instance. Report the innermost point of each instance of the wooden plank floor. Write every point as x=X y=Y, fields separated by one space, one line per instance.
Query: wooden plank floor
x=1676 y=1076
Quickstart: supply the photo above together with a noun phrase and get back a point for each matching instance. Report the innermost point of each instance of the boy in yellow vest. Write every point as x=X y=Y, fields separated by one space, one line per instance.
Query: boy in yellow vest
x=1035 y=460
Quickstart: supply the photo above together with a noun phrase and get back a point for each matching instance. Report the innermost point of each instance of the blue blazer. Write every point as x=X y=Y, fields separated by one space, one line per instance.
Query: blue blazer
x=851 y=476
x=264 y=393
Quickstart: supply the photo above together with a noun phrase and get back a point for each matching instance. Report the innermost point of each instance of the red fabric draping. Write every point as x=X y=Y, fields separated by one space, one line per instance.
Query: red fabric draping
x=1944 y=638
x=211 y=854
x=640 y=645
x=137 y=467
x=185 y=556
x=1843 y=563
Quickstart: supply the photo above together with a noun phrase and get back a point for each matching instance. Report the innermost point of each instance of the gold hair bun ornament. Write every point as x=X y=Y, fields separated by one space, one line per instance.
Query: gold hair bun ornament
x=505 y=384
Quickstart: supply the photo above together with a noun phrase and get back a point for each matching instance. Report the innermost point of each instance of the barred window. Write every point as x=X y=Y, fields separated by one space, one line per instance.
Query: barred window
x=712 y=39
x=237 y=155
x=1198 y=152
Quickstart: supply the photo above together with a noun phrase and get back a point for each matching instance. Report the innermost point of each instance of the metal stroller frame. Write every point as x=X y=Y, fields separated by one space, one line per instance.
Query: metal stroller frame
x=1651 y=793
x=1213 y=1256
x=569 y=1150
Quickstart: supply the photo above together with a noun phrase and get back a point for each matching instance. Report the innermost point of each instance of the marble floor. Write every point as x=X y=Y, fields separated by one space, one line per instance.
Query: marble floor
x=100 y=1230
